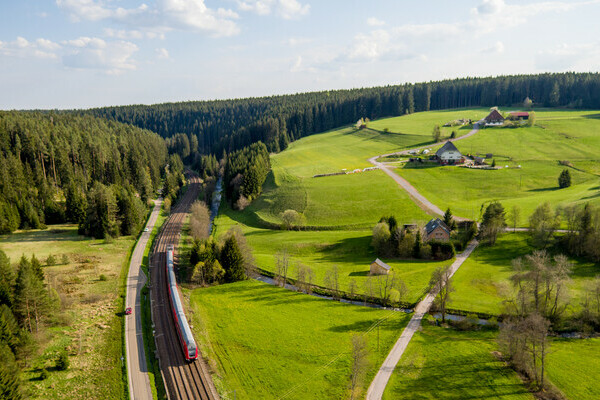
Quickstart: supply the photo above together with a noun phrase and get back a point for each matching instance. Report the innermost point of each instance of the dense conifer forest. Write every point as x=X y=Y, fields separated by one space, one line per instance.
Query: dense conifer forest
x=229 y=125
x=57 y=168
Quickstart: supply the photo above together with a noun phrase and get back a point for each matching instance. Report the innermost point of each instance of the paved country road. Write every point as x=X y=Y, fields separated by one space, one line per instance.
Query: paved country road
x=137 y=372
x=421 y=201
x=385 y=372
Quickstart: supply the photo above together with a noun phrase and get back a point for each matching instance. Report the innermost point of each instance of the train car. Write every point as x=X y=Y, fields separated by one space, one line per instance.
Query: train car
x=190 y=350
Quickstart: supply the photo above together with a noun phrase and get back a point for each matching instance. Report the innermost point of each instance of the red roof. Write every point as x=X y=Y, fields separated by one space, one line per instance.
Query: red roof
x=519 y=114
x=494 y=116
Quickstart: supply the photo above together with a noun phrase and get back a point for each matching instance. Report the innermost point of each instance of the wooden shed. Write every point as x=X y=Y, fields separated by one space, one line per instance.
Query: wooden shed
x=378 y=267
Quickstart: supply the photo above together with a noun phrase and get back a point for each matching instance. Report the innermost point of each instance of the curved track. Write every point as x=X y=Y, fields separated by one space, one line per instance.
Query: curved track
x=183 y=380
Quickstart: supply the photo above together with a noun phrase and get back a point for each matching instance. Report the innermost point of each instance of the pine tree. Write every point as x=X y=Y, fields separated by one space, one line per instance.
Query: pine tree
x=9 y=375
x=36 y=266
x=232 y=261
x=448 y=218
x=564 y=180
x=7 y=279
x=417 y=245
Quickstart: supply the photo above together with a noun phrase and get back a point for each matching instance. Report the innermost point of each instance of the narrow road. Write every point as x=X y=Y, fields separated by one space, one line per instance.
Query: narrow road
x=425 y=204
x=378 y=385
x=137 y=372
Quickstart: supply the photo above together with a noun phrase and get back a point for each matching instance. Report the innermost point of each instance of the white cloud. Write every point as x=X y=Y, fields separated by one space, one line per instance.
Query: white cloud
x=580 y=57
x=286 y=9
x=22 y=48
x=94 y=53
x=162 y=53
x=133 y=34
x=165 y=15
x=372 y=21
x=496 y=48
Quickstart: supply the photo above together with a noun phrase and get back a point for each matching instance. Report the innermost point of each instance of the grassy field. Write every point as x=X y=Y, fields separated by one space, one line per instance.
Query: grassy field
x=265 y=342
x=422 y=123
x=349 y=250
x=447 y=364
x=573 y=366
x=91 y=325
x=558 y=135
x=483 y=281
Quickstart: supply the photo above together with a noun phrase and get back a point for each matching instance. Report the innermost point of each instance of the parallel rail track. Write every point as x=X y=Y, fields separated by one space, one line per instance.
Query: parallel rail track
x=183 y=380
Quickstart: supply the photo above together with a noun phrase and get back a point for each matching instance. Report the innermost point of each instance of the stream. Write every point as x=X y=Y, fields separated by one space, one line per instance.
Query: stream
x=216 y=201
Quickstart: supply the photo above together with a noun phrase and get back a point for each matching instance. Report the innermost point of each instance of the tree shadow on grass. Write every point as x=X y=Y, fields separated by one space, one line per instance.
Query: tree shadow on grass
x=549 y=189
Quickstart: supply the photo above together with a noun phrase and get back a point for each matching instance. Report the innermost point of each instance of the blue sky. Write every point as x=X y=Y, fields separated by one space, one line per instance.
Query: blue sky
x=87 y=53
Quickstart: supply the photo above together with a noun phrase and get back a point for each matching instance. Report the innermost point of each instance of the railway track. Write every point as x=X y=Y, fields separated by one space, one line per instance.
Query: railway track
x=183 y=380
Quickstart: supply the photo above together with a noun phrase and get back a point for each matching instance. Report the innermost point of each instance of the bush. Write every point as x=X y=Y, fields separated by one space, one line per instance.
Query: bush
x=43 y=374
x=65 y=259
x=103 y=278
x=564 y=180
x=442 y=250
x=51 y=260
x=62 y=362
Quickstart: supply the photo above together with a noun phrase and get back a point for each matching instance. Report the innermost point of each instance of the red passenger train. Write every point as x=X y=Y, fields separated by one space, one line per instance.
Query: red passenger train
x=190 y=350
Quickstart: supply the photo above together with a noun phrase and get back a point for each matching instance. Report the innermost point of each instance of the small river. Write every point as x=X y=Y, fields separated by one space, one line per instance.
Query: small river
x=216 y=200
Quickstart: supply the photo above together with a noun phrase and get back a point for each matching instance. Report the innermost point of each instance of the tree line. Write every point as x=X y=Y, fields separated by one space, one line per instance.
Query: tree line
x=221 y=126
x=57 y=168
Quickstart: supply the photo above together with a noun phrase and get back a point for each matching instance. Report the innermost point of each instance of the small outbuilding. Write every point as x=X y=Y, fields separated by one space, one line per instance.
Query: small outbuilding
x=494 y=118
x=519 y=115
x=437 y=230
x=378 y=267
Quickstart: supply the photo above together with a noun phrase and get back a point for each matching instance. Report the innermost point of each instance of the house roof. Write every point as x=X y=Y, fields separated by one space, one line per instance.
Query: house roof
x=519 y=114
x=449 y=146
x=494 y=116
x=382 y=264
x=434 y=223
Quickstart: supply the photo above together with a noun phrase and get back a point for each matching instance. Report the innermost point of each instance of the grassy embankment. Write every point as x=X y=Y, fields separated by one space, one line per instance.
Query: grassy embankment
x=448 y=364
x=265 y=342
x=557 y=136
x=483 y=282
x=341 y=210
x=91 y=325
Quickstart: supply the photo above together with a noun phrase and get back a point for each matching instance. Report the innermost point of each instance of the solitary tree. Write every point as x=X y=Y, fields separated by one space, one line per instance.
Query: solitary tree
x=515 y=215
x=564 y=180
x=360 y=354
x=448 y=217
x=493 y=222
x=232 y=261
x=542 y=224
x=436 y=134
x=199 y=220
x=442 y=285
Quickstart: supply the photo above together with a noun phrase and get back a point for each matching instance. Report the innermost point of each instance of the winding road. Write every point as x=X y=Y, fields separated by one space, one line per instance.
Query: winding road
x=380 y=381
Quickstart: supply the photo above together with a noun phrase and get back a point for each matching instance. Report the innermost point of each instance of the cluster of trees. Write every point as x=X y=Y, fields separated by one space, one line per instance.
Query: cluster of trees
x=392 y=240
x=212 y=262
x=174 y=180
x=52 y=166
x=245 y=173
x=229 y=125
x=26 y=305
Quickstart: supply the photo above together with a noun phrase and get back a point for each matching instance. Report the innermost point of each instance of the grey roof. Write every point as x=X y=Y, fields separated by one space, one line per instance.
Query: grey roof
x=382 y=264
x=434 y=223
x=494 y=115
x=449 y=146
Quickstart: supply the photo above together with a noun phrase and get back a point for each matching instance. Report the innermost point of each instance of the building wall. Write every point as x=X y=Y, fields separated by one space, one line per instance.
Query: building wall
x=377 y=270
x=438 y=234
x=451 y=155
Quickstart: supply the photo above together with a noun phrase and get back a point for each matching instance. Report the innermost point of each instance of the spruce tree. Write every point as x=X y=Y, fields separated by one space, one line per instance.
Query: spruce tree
x=564 y=180
x=417 y=246
x=232 y=261
x=448 y=218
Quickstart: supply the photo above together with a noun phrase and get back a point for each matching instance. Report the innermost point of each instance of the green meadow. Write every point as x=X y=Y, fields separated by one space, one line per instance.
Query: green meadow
x=349 y=250
x=557 y=136
x=573 y=366
x=483 y=281
x=90 y=326
x=447 y=364
x=304 y=354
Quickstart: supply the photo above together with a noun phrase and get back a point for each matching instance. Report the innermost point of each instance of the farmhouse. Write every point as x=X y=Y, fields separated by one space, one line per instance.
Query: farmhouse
x=436 y=229
x=378 y=267
x=449 y=154
x=494 y=118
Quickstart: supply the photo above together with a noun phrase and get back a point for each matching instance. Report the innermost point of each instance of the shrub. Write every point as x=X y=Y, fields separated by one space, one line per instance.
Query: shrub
x=103 y=278
x=442 y=250
x=62 y=362
x=43 y=374
x=564 y=180
x=65 y=259
x=51 y=260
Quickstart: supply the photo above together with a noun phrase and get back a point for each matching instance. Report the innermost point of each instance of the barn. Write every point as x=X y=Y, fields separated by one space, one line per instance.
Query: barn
x=449 y=154
x=494 y=118
x=378 y=267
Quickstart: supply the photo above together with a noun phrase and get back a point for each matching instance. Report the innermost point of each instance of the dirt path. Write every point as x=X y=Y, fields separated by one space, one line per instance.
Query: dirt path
x=425 y=204
x=387 y=368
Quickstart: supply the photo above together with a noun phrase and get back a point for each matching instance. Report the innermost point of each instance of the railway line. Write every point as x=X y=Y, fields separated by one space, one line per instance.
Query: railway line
x=183 y=380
